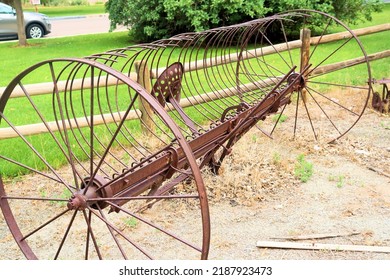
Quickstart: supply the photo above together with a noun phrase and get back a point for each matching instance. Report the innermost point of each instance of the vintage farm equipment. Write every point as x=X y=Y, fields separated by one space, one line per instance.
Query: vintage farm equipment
x=119 y=131
x=378 y=102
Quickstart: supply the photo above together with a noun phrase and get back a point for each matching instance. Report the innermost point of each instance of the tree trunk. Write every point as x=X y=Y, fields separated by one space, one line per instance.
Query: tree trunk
x=20 y=21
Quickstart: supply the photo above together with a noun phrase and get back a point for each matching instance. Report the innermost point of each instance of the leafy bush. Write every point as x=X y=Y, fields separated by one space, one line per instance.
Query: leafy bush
x=348 y=11
x=157 y=19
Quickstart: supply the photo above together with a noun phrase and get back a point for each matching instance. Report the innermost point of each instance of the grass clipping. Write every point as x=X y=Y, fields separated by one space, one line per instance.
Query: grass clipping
x=251 y=173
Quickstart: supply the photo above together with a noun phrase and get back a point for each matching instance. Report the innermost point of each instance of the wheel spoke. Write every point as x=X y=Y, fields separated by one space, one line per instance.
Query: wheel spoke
x=44 y=225
x=276 y=50
x=34 y=198
x=88 y=221
x=34 y=150
x=333 y=101
x=113 y=139
x=296 y=114
x=277 y=121
x=113 y=235
x=92 y=113
x=308 y=115
x=270 y=66
x=119 y=232
x=323 y=111
x=65 y=235
x=336 y=84
x=32 y=169
x=64 y=127
x=156 y=227
x=320 y=39
x=286 y=41
x=90 y=234
x=330 y=55
x=146 y=197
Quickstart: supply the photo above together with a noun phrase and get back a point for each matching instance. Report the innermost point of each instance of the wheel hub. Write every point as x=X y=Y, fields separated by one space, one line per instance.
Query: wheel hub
x=77 y=202
x=297 y=83
x=80 y=200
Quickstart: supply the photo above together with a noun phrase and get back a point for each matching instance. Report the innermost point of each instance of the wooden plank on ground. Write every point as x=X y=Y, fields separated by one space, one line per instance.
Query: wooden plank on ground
x=320 y=246
x=317 y=236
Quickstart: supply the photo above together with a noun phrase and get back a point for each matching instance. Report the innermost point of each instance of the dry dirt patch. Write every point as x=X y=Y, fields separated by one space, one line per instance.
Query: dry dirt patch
x=258 y=197
x=348 y=192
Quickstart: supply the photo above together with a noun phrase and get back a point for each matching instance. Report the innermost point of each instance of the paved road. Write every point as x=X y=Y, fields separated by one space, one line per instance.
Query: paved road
x=78 y=25
x=70 y=26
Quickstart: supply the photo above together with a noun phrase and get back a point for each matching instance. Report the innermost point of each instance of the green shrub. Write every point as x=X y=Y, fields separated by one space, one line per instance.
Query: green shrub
x=346 y=10
x=157 y=19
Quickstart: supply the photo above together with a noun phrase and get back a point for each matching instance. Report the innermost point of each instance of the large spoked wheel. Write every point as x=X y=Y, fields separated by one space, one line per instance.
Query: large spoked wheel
x=334 y=86
x=66 y=206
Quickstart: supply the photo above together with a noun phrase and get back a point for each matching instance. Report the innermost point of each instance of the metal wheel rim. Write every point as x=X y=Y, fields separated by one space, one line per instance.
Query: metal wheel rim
x=204 y=212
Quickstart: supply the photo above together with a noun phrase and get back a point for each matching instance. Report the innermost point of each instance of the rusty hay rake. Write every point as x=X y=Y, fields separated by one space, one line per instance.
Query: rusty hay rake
x=114 y=143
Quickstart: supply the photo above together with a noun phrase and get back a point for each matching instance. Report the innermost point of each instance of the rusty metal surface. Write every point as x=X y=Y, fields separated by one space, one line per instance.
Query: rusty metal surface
x=381 y=102
x=208 y=90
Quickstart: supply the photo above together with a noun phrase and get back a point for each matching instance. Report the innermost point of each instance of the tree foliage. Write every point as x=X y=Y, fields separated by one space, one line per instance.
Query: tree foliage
x=348 y=11
x=157 y=19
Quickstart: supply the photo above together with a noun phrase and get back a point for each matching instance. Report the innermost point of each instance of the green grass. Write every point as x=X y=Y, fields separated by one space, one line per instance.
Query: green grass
x=385 y=124
x=377 y=18
x=43 y=49
x=130 y=222
x=276 y=158
x=279 y=118
x=79 y=46
x=68 y=10
x=339 y=180
x=303 y=169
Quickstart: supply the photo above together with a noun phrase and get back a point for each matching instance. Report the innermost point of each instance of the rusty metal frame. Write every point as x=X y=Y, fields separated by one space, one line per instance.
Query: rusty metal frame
x=243 y=85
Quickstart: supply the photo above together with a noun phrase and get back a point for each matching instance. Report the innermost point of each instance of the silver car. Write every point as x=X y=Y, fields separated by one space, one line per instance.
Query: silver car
x=37 y=25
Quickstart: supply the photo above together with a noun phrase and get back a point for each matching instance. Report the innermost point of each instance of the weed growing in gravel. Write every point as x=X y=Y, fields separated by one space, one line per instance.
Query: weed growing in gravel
x=279 y=118
x=340 y=180
x=303 y=169
x=254 y=138
x=130 y=222
x=42 y=192
x=276 y=158
x=385 y=125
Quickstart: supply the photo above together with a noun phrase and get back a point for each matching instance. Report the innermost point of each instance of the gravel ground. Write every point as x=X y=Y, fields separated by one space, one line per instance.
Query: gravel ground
x=349 y=192
x=258 y=198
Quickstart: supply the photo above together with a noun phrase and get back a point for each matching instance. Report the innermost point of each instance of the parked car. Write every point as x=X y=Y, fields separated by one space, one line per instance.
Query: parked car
x=36 y=25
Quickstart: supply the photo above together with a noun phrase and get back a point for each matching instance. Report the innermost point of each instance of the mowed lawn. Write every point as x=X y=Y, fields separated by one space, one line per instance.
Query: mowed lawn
x=58 y=11
x=15 y=59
